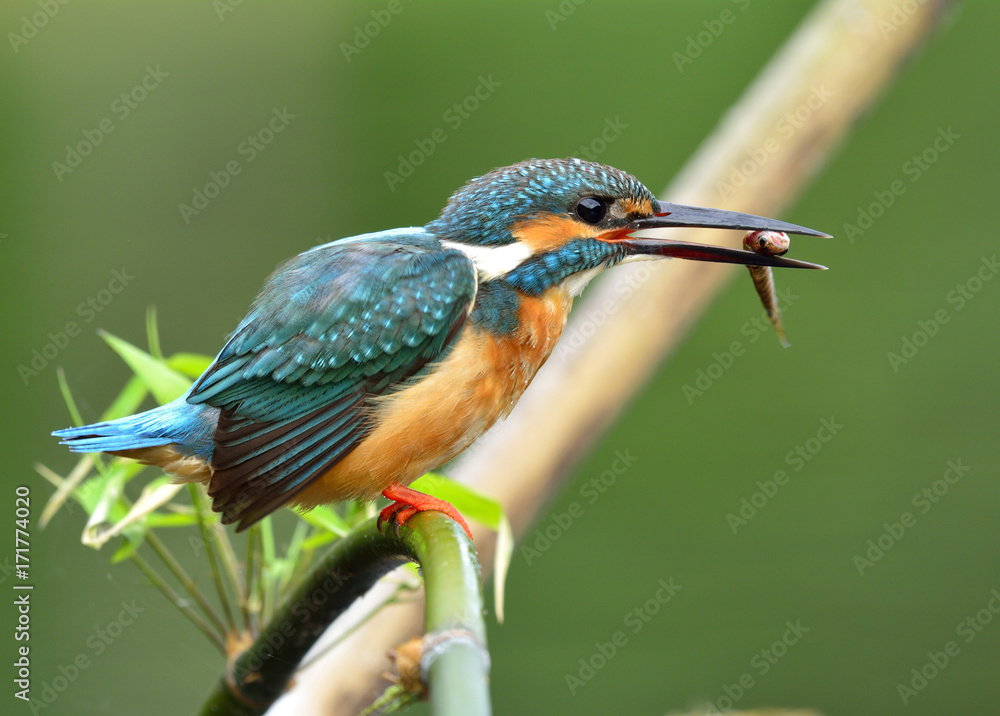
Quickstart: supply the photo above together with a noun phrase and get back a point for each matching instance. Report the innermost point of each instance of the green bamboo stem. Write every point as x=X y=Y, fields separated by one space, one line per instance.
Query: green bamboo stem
x=182 y=576
x=455 y=664
x=249 y=617
x=229 y=562
x=296 y=558
x=177 y=601
x=268 y=587
x=213 y=559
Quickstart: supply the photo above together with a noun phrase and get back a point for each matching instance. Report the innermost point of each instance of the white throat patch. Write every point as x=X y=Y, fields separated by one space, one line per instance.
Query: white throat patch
x=493 y=261
x=578 y=281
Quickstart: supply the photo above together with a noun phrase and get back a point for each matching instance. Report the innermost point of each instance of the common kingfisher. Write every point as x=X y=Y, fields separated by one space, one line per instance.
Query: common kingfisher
x=365 y=362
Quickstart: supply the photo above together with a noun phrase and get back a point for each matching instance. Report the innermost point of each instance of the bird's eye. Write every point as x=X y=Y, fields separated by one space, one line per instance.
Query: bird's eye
x=591 y=209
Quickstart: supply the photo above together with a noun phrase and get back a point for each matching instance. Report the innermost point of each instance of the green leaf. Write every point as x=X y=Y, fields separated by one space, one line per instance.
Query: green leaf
x=318 y=540
x=173 y=519
x=153 y=333
x=125 y=550
x=64 y=486
x=92 y=492
x=463 y=498
x=128 y=401
x=393 y=699
x=154 y=495
x=325 y=518
x=163 y=382
x=190 y=364
x=357 y=511
x=74 y=412
x=108 y=506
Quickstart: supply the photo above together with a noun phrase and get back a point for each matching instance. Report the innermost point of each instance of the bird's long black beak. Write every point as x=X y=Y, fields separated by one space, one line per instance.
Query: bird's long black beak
x=679 y=215
x=674 y=215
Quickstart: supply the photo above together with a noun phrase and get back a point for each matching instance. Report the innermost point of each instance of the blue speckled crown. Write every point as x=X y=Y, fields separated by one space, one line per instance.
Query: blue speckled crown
x=483 y=210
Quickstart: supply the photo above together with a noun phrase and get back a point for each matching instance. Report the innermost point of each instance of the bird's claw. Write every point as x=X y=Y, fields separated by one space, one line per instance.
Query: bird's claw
x=401 y=510
x=397 y=513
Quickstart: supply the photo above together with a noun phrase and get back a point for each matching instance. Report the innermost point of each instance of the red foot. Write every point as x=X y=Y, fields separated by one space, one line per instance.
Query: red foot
x=407 y=502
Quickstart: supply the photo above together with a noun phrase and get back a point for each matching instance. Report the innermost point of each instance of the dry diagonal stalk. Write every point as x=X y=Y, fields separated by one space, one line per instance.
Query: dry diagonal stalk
x=839 y=51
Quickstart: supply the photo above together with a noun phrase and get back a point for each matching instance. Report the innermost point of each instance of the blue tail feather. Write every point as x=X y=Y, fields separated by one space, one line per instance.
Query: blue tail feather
x=189 y=427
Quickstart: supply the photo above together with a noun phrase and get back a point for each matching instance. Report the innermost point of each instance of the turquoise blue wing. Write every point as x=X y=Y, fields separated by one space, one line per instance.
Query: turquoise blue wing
x=331 y=329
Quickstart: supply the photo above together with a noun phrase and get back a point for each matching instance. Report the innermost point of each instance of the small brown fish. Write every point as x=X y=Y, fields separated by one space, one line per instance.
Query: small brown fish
x=768 y=243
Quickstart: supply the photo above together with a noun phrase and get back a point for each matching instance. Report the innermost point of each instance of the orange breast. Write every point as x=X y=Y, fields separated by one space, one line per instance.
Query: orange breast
x=434 y=419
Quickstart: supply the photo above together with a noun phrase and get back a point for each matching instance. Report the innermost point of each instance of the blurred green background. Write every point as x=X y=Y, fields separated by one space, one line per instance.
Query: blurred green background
x=215 y=73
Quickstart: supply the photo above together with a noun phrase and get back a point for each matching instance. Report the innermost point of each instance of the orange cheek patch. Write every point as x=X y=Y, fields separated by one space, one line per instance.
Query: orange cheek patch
x=550 y=232
x=643 y=207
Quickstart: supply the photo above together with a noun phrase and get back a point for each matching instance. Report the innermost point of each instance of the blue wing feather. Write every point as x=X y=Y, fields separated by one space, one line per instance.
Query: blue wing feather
x=330 y=329
x=189 y=427
x=334 y=316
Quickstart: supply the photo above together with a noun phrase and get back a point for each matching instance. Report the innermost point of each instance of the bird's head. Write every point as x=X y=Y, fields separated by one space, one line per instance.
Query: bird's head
x=543 y=222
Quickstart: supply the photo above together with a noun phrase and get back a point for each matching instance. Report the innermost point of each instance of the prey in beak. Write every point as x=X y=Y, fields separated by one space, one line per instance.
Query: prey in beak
x=764 y=245
x=675 y=215
x=768 y=243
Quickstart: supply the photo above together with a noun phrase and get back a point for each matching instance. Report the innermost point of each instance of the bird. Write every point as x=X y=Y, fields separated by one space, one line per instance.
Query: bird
x=365 y=362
